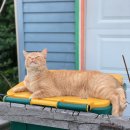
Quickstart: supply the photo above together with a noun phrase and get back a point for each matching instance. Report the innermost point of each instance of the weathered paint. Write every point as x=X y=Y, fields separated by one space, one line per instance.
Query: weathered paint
x=77 y=32
x=80 y=34
x=82 y=38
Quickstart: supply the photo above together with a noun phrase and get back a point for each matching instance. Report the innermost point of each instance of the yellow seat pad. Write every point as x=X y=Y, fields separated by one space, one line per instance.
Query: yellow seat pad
x=19 y=94
x=118 y=77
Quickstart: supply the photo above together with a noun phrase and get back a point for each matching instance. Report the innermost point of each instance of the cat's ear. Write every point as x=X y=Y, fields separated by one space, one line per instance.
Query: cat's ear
x=44 y=52
x=25 y=53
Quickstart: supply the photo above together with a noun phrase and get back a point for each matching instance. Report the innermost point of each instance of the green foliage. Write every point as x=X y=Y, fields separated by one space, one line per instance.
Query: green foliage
x=8 y=55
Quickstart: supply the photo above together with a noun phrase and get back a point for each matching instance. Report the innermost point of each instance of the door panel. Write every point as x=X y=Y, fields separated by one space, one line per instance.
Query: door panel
x=104 y=50
x=108 y=14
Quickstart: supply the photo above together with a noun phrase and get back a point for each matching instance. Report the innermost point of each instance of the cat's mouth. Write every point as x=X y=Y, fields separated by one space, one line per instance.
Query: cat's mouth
x=33 y=62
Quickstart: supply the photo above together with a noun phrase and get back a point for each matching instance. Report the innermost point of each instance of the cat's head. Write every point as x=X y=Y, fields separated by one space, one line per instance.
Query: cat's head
x=35 y=59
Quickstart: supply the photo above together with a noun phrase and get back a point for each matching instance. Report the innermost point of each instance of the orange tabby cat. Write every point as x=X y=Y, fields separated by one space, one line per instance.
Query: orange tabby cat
x=43 y=83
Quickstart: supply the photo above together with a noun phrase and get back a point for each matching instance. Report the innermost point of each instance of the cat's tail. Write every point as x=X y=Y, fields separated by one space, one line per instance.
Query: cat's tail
x=122 y=96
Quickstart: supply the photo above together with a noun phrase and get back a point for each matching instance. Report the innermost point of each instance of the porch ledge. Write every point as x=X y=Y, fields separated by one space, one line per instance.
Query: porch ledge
x=60 y=118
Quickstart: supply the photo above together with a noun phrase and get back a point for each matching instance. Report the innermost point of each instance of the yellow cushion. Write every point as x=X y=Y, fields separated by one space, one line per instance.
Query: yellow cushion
x=118 y=77
x=20 y=94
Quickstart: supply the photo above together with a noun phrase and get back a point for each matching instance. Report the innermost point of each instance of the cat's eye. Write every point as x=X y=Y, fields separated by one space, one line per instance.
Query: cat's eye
x=37 y=57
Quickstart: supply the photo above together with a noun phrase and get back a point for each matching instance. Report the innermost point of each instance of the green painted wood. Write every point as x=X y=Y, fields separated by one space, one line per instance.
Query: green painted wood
x=16 y=100
x=103 y=110
x=76 y=107
x=23 y=126
x=18 y=126
x=36 y=127
x=77 y=33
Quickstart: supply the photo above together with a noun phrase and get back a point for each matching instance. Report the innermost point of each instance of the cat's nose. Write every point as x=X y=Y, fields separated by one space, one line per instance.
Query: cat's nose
x=32 y=59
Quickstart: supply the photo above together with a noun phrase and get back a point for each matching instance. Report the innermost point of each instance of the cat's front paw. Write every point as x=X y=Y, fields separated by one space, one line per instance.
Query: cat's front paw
x=16 y=90
x=36 y=95
x=19 y=89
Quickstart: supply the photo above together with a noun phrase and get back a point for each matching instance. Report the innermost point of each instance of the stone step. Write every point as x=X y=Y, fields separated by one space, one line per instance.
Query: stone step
x=4 y=125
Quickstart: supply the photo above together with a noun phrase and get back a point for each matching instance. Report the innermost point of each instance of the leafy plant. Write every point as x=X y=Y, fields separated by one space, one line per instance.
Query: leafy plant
x=8 y=52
